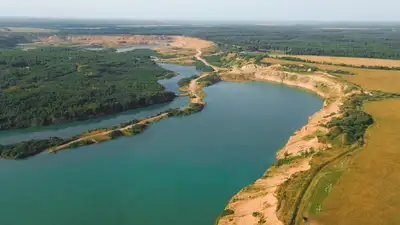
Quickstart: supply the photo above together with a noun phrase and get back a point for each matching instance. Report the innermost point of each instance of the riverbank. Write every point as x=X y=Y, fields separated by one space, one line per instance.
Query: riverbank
x=53 y=144
x=258 y=203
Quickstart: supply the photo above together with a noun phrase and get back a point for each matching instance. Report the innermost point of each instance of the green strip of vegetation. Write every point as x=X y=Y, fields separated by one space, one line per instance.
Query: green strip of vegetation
x=311 y=69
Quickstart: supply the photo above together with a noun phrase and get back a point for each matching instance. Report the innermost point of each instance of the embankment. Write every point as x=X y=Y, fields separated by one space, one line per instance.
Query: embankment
x=258 y=203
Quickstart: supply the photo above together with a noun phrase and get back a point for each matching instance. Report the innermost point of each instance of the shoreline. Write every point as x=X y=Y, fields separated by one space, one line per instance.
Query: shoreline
x=257 y=203
x=193 y=90
x=195 y=104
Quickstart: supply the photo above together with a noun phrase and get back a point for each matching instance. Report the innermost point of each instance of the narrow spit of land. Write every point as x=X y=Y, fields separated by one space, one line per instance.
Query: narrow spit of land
x=105 y=133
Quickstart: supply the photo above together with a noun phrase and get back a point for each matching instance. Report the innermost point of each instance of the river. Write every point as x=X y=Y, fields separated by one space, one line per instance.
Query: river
x=180 y=171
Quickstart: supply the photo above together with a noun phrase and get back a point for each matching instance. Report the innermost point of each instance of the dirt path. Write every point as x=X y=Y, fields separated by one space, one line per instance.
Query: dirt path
x=198 y=57
x=92 y=137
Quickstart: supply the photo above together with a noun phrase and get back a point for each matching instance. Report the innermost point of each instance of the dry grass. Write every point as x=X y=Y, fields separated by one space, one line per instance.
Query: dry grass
x=176 y=53
x=368 y=192
x=94 y=132
x=349 y=60
x=383 y=80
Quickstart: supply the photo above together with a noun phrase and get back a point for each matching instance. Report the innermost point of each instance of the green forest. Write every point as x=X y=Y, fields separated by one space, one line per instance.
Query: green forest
x=380 y=42
x=374 y=41
x=58 y=85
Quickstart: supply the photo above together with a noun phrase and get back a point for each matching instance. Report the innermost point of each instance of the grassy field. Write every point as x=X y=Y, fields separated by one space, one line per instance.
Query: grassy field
x=348 y=60
x=356 y=186
x=368 y=192
x=370 y=79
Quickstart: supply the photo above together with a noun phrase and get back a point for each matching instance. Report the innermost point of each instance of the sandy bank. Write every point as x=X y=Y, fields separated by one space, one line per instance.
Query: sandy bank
x=257 y=203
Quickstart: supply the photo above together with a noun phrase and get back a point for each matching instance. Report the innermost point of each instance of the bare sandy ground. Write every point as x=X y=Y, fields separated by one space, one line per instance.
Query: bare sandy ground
x=118 y=40
x=189 y=42
x=260 y=196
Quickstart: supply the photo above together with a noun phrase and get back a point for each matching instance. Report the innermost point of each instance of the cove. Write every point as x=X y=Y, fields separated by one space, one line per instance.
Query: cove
x=180 y=171
x=74 y=128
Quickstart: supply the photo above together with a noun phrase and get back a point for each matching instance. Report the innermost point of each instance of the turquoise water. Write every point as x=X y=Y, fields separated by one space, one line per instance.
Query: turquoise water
x=181 y=171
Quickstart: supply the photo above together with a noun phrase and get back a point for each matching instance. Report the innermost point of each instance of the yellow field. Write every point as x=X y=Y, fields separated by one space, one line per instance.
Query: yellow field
x=383 y=80
x=368 y=192
x=349 y=60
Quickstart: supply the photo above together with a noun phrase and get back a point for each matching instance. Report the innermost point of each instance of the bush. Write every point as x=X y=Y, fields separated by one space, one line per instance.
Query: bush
x=28 y=148
x=186 y=81
x=227 y=212
x=209 y=80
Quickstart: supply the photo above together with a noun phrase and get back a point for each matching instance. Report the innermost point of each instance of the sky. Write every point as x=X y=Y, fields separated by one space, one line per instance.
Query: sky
x=231 y=10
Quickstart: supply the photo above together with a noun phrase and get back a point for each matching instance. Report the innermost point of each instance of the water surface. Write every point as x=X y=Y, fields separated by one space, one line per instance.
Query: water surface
x=181 y=171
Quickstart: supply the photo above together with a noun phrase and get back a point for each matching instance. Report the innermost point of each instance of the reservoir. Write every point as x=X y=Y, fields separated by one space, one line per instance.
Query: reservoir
x=180 y=171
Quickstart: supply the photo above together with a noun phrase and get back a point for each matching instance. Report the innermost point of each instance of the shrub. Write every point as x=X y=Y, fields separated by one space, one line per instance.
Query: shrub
x=227 y=212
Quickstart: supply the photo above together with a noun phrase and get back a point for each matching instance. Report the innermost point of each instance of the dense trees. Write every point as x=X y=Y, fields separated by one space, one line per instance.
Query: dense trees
x=308 y=40
x=28 y=148
x=57 y=85
x=186 y=80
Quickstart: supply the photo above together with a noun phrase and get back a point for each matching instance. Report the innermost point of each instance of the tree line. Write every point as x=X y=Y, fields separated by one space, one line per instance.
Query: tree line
x=58 y=85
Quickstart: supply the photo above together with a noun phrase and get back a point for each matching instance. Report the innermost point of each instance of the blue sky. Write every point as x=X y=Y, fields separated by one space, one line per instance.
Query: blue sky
x=267 y=10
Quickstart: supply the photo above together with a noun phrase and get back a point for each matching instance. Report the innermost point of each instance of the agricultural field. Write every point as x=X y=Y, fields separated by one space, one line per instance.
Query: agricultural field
x=370 y=79
x=347 y=60
x=368 y=192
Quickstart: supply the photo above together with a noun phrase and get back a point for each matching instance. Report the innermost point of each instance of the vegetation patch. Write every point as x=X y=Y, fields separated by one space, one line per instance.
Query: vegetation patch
x=216 y=60
x=186 y=81
x=27 y=148
x=209 y=80
x=289 y=159
x=227 y=212
x=202 y=67
x=60 y=85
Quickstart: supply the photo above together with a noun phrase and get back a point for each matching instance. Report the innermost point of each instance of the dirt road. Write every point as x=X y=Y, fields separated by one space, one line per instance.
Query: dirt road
x=90 y=137
x=198 y=57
